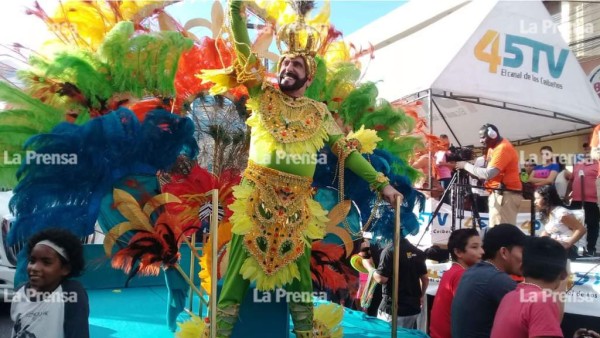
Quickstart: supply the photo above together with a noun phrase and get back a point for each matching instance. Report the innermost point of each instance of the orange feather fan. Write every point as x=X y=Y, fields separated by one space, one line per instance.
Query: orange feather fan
x=191 y=189
x=148 y=251
x=209 y=54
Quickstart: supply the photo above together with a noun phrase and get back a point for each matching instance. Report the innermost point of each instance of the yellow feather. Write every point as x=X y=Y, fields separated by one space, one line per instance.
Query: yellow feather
x=117 y=231
x=223 y=79
x=367 y=137
x=337 y=51
x=193 y=328
x=338 y=213
x=323 y=17
x=138 y=10
x=159 y=200
x=328 y=319
x=130 y=209
x=224 y=236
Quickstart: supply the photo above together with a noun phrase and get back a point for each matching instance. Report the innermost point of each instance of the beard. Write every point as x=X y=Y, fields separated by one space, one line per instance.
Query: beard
x=298 y=83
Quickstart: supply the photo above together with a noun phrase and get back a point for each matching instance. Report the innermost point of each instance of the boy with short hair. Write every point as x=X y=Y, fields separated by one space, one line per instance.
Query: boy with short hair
x=466 y=250
x=535 y=308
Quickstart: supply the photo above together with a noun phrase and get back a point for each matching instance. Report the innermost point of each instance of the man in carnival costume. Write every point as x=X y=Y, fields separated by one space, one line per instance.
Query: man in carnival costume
x=275 y=218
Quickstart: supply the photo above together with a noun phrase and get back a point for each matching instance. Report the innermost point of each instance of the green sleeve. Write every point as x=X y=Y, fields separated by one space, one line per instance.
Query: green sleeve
x=360 y=166
x=241 y=37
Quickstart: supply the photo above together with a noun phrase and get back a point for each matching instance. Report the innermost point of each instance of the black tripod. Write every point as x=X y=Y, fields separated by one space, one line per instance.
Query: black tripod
x=462 y=189
x=458 y=188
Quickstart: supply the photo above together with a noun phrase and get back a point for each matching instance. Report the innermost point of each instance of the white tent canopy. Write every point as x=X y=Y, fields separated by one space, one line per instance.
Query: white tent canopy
x=481 y=61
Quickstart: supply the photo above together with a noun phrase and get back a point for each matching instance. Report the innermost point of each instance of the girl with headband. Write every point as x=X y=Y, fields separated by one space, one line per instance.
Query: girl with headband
x=50 y=304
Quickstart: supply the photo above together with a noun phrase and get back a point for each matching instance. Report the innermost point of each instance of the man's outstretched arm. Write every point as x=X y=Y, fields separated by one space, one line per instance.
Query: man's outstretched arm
x=246 y=59
x=482 y=173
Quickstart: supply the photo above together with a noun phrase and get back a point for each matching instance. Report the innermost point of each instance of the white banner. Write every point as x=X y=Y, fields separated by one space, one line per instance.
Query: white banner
x=441 y=227
x=583 y=298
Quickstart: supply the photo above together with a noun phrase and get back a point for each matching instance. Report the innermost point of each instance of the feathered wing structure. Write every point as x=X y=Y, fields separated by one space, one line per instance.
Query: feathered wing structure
x=191 y=188
x=156 y=242
x=328 y=270
x=88 y=161
x=81 y=77
x=144 y=63
x=80 y=84
x=208 y=53
x=85 y=23
x=362 y=108
x=360 y=193
x=101 y=68
x=118 y=58
x=25 y=118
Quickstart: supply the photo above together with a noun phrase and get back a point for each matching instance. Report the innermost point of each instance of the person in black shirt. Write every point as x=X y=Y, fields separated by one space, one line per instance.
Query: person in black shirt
x=411 y=287
x=483 y=285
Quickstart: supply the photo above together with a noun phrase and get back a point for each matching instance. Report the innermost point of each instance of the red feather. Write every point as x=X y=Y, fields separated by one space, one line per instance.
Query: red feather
x=191 y=188
x=151 y=250
x=328 y=269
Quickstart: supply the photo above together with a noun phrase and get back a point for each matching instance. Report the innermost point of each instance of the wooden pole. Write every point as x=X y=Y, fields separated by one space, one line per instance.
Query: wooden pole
x=396 y=281
x=214 y=229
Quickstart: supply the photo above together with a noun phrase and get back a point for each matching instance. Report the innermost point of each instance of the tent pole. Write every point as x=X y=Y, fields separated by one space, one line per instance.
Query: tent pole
x=430 y=122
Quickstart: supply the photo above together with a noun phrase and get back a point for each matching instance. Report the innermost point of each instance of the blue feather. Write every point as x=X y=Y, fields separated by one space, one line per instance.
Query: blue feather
x=105 y=149
x=360 y=193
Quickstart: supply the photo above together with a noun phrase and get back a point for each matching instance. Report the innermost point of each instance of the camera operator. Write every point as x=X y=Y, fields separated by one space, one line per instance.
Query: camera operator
x=501 y=176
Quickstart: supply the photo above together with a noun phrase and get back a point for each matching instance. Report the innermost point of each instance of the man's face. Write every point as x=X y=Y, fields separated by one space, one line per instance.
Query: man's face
x=445 y=141
x=514 y=260
x=292 y=75
x=483 y=139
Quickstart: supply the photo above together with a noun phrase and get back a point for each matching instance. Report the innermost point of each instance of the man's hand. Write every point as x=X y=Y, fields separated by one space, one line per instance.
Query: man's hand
x=390 y=194
x=460 y=165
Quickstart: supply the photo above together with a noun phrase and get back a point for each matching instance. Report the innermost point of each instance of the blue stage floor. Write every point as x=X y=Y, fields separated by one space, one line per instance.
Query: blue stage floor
x=140 y=312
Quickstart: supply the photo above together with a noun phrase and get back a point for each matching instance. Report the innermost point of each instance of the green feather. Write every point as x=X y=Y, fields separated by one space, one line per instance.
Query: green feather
x=143 y=64
x=29 y=117
x=342 y=74
x=88 y=77
x=315 y=90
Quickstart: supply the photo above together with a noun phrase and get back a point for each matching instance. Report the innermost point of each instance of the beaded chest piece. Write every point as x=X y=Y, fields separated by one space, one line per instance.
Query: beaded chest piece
x=290 y=120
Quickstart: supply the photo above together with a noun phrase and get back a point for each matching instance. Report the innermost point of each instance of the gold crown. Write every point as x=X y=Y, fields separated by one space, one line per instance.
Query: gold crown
x=298 y=38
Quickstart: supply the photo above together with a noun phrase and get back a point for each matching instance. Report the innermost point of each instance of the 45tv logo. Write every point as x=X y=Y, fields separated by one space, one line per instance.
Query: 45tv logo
x=488 y=50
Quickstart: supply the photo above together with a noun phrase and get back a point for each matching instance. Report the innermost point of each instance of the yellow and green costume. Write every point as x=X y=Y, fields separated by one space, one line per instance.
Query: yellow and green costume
x=274 y=216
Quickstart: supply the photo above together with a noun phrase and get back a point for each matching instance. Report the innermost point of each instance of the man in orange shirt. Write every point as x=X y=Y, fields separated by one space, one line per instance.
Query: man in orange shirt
x=501 y=175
